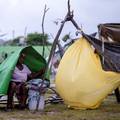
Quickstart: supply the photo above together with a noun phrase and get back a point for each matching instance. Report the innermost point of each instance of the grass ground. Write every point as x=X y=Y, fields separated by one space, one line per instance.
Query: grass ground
x=109 y=110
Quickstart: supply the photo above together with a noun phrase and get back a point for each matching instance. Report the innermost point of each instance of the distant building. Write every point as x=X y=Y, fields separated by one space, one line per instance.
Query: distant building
x=22 y=41
x=19 y=41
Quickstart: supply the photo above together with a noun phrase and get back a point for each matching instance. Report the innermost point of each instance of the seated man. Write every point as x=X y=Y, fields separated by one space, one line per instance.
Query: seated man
x=17 y=85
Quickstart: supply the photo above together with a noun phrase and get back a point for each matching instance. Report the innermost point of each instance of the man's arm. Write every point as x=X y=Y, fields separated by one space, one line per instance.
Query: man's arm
x=36 y=74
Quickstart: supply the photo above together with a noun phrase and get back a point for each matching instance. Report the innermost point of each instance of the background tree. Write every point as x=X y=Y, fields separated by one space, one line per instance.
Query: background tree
x=15 y=41
x=66 y=37
x=37 y=39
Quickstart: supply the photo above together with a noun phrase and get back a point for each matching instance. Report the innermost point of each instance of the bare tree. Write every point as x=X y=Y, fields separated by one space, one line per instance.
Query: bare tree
x=68 y=17
x=43 y=32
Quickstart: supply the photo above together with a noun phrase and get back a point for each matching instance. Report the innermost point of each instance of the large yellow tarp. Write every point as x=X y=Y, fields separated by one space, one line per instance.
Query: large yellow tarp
x=80 y=79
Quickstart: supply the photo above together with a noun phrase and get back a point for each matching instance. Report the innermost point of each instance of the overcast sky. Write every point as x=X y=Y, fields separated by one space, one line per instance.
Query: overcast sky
x=18 y=14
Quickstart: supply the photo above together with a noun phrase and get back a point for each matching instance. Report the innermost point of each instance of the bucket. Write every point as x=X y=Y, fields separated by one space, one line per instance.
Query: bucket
x=36 y=100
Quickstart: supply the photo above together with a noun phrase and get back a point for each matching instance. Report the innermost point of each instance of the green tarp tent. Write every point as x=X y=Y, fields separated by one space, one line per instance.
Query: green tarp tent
x=33 y=60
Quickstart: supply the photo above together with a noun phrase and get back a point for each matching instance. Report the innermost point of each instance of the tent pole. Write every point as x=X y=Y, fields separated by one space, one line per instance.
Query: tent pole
x=68 y=17
x=55 y=43
x=43 y=32
x=53 y=48
x=76 y=25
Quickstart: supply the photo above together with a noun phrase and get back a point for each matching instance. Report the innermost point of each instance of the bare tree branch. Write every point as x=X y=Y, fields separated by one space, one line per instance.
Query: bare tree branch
x=68 y=17
x=68 y=6
x=43 y=32
x=76 y=25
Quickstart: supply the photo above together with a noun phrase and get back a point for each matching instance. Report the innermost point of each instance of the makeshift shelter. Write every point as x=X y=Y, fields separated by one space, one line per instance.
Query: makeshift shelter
x=111 y=53
x=33 y=60
x=110 y=30
x=81 y=81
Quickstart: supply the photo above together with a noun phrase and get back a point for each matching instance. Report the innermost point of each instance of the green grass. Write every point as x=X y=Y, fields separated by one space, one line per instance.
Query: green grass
x=109 y=110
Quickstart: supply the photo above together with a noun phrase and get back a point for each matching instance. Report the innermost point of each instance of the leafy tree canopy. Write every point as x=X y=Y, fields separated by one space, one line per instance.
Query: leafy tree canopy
x=37 y=39
x=66 y=37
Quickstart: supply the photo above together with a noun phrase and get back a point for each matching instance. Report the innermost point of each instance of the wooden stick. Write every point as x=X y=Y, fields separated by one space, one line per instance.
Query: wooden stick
x=43 y=19
x=68 y=17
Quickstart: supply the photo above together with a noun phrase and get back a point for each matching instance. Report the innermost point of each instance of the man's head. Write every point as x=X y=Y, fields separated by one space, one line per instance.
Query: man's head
x=22 y=58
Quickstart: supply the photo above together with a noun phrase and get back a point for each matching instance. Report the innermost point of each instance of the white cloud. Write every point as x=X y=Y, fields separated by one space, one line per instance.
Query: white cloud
x=13 y=2
x=17 y=14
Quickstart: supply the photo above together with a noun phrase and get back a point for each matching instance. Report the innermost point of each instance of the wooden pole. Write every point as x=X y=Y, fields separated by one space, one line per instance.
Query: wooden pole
x=68 y=17
x=43 y=32
x=52 y=53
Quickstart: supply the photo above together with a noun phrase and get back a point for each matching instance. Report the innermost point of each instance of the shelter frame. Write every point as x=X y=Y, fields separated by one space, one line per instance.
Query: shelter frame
x=69 y=17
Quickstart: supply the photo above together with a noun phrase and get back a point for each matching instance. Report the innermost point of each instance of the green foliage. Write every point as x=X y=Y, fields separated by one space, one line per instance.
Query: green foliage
x=15 y=41
x=31 y=39
x=66 y=37
x=37 y=39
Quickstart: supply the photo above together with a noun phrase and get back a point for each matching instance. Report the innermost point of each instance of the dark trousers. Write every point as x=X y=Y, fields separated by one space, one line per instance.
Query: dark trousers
x=20 y=90
x=117 y=93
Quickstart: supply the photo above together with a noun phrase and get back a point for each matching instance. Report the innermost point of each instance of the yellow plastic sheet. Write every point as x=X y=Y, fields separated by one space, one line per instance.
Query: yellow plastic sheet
x=80 y=80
